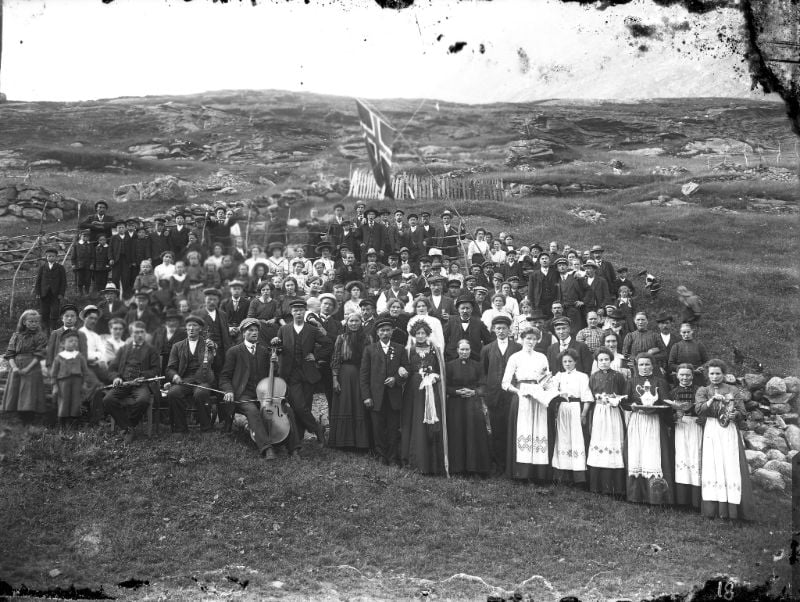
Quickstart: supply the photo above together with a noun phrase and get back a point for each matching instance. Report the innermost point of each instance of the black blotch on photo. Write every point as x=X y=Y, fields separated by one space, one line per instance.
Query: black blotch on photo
x=457 y=47
x=481 y=48
x=638 y=29
x=395 y=4
x=439 y=37
x=133 y=583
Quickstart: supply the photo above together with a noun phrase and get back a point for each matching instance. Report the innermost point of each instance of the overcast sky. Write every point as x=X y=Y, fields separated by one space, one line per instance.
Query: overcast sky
x=515 y=49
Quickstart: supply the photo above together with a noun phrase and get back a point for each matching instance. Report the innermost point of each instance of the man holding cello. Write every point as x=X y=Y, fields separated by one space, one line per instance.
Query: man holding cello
x=260 y=400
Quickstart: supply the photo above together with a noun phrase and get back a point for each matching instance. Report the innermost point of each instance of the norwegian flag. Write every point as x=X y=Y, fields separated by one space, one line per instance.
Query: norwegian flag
x=379 y=137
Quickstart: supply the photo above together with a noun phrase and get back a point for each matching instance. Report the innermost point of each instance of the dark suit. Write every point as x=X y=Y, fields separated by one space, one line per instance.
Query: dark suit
x=601 y=294
x=217 y=331
x=234 y=378
x=150 y=318
x=386 y=412
x=178 y=396
x=179 y=240
x=333 y=328
x=446 y=305
x=374 y=237
x=429 y=233
x=498 y=401
x=399 y=237
x=607 y=271
x=127 y=404
x=570 y=290
x=300 y=374
x=543 y=289
x=417 y=246
x=118 y=310
x=585 y=359
x=448 y=240
x=51 y=285
x=476 y=333
x=158 y=244
x=104 y=226
x=236 y=316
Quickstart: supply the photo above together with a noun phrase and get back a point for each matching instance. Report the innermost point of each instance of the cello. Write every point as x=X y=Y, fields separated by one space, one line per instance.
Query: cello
x=271 y=391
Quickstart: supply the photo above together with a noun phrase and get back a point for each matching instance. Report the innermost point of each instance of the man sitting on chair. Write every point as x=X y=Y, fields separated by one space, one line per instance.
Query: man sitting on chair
x=246 y=364
x=186 y=366
x=130 y=396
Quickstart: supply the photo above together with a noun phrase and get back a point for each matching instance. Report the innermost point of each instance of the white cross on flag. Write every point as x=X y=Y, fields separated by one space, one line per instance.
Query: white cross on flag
x=379 y=136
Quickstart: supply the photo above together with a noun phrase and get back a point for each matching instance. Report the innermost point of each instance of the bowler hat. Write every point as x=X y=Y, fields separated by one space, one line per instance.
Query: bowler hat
x=196 y=319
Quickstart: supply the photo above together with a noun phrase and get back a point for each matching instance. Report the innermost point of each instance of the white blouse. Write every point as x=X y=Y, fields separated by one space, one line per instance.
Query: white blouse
x=525 y=365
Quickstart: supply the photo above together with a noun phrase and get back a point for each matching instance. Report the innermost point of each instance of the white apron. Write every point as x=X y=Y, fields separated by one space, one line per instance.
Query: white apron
x=721 y=476
x=605 y=447
x=644 y=446
x=688 y=446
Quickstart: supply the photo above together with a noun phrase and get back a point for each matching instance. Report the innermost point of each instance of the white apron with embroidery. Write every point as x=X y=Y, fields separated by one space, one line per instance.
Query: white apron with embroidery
x=532 y=443
x=688 y=447
x=644 y=446
x=570 y=450
x=605 y=447
x=721 y=476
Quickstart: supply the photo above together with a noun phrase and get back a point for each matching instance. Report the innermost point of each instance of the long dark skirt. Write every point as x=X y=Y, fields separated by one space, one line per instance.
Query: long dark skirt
x=350 y=427
x=467 y=437
x=540 y=473
x=422 y=443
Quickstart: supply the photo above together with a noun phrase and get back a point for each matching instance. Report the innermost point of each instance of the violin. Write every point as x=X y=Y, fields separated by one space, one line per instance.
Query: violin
x=271 y=392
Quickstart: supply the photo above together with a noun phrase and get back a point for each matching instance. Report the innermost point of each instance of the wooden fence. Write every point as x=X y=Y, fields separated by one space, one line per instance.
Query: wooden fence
x=408 y=186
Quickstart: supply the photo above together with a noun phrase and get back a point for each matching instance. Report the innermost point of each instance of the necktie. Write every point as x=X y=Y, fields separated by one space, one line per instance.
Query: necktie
x=235 y=305
x=253 y=349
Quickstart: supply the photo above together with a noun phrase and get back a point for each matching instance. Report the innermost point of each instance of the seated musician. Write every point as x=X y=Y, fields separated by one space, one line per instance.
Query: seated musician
x=190 y=364
x=135 y=363
x=246 y=365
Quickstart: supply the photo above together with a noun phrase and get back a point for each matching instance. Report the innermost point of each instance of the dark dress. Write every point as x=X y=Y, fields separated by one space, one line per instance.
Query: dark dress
x=468 y=439
x=25 y=392
x=421 y=444
x=350 y=426
x=650 y=474
x=607 y=436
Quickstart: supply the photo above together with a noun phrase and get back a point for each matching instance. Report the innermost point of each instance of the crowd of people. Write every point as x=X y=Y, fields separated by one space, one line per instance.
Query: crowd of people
x=535 y=364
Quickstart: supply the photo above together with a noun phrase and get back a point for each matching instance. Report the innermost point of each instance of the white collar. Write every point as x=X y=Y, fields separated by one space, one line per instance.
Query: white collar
x=68 y=355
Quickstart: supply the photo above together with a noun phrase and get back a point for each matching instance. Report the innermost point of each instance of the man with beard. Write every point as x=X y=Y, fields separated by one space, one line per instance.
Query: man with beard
x=384 y=368
x=299 y=342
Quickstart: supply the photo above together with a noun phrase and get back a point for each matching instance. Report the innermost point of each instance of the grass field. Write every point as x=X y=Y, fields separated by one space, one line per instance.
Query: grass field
x=199 y=516
x=194 y=515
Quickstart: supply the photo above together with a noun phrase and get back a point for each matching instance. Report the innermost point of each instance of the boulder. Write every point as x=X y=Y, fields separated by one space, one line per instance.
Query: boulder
x=792 y=384
x=755 y=459
x=784 y=468
x=755 y=415
x=755 y=442
x=776 y=442
x=792 y=453
x=55 y=214
x=761 y=428
x=774 y=454
x=769 y=480
x=791 y=418
x=757 y=394
x=32 y=214
x=755 y=381
x=792 y=435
